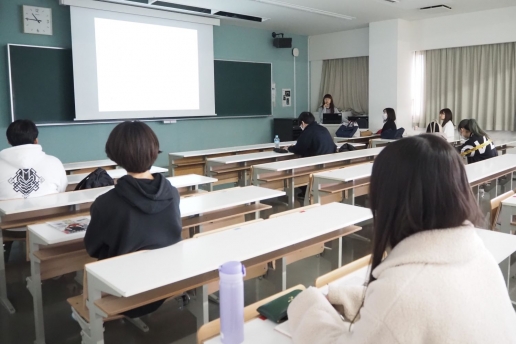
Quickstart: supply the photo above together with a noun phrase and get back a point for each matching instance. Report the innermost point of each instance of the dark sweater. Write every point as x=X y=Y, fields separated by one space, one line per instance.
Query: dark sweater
x=314 y=140
x=389 y=125
x=484 y=153
x=138 y=214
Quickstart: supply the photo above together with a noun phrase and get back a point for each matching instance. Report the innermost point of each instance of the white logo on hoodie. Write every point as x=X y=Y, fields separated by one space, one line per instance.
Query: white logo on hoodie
x=26 y=181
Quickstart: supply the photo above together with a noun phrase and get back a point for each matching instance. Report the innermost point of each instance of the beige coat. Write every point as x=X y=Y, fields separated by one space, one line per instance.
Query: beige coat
x=439 y=286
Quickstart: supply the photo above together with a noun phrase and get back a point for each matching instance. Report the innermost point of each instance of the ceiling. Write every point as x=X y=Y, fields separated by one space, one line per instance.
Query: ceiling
x=300 y=22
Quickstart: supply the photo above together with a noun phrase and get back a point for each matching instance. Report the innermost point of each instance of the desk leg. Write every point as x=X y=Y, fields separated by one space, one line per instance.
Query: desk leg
x=3 y=281
x=335 y=253
x=96 y=320
x=278 y=275
x=506 y=216
x=34 y=286
x=351 y=197
x=291 y=193
x=200 y=306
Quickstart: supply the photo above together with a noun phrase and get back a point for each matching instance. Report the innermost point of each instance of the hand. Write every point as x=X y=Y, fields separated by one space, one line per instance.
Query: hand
x=35 y=18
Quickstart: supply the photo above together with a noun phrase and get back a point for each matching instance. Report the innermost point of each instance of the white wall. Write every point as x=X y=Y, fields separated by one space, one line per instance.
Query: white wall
x=477 y=28
x=339 y=45
x=315 y=84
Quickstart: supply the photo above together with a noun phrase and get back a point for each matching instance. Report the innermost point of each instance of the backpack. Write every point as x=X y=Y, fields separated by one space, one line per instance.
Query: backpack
x=95 y=179
x=346 y=148
x=347 y=130
x=392 y=134
x=434 y=127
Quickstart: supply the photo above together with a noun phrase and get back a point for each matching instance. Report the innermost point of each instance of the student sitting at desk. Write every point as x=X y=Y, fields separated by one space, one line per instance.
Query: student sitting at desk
x=142 y=211
x=438 y=283
x=389 y=123
x=314 y=140
x=478 y=146
x=25 y=170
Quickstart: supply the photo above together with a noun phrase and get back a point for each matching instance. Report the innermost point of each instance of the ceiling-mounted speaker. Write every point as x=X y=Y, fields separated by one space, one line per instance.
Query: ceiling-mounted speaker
x=282 y=42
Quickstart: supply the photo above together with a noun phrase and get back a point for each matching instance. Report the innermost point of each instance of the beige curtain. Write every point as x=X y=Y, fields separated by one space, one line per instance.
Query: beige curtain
x=347 y=80
x=474 y=82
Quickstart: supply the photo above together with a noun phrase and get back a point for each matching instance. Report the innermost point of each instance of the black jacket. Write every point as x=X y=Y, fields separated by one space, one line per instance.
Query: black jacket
x=138 y=214
x=389 y=125
x=314 y=140
x=483 y=153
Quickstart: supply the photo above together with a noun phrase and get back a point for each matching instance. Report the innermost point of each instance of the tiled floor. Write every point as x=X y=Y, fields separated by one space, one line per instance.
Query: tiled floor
x=167 y=325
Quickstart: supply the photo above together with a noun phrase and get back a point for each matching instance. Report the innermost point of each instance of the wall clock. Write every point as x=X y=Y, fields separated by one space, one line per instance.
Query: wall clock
x=37 y=20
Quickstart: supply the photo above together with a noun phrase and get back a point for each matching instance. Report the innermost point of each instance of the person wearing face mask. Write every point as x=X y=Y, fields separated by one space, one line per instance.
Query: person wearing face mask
x=327 y=106
x=478 y=146
x=314 y=140
x=389 y=120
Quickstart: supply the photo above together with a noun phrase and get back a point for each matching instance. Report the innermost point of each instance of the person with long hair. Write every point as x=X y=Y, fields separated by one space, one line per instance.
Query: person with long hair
x=389 y=123
x=478 y=145
x=327 y=106
x=446 y=117
x=431 y=278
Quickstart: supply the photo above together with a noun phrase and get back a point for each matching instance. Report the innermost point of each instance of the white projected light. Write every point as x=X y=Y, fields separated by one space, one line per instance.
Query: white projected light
x=146 y=67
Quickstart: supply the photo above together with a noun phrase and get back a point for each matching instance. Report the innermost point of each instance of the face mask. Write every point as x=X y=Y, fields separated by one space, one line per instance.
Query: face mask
x=384 y=116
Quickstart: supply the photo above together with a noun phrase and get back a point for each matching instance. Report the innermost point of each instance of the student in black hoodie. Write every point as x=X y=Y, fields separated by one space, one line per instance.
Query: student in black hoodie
x=478 y=146
x=142 y=211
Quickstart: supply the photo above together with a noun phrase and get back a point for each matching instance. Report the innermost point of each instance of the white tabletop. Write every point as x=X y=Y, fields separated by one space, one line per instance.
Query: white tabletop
x=138 y=272
x=17 y=206
x=49 y=235
x=189 y=154
x=484 y=169
x=88 y=164
x=247 y=157
x=115 y=174
x=188 y=180
x=320 y=159
x=510 y=202
x=347 y=174
x=258 y=331
x=227 y=198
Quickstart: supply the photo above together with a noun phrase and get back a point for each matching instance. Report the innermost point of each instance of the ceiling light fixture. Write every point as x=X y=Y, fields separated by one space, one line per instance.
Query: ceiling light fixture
x=306 y=9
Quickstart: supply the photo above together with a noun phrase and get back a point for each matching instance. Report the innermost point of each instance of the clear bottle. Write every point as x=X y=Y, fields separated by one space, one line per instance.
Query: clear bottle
x=232 y=302
x=276 y=141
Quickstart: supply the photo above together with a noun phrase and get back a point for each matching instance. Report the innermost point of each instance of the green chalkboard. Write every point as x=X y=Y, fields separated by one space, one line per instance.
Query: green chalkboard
x=41 y=84
x=242 y=88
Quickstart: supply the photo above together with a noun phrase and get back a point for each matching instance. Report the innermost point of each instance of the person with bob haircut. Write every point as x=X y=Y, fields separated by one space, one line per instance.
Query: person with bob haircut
x=142 y=211
x=478 y=145
x=432 y=285
x=389 y=120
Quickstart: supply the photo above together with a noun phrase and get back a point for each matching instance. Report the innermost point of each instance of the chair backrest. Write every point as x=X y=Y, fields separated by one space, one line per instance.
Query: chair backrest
x=496 y=206
x=212 y=328
x=342 y=271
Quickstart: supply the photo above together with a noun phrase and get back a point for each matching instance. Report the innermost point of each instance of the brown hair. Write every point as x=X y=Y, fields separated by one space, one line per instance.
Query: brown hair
x=133 y=145
x=448 y=116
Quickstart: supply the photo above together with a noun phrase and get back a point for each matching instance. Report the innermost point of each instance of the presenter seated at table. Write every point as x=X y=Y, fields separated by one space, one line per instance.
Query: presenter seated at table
x=478 y=146
x=142 y=211
x=25 y=170
x=327 y=106
x=314 y=140
x=438 y=282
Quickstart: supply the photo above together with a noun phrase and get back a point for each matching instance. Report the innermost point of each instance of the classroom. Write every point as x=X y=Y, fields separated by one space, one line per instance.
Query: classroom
x=257 y=171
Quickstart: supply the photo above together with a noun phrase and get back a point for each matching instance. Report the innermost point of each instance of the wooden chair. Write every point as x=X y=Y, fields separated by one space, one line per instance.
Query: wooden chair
x=212 y=328
x=496 y=207
x=343 y=271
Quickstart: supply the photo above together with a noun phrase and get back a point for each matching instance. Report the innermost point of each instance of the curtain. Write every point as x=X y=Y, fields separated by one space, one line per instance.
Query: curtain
x=347 y=80
x=474 y=82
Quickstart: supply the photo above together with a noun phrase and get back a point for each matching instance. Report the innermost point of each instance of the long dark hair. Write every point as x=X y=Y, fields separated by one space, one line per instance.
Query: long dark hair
x=448 y=116
x=407 y=198
x=472 y=126
x=332 y=106
x=391 y=114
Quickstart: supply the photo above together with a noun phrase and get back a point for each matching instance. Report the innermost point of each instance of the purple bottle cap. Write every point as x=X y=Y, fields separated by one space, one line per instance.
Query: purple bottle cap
x=232 y=268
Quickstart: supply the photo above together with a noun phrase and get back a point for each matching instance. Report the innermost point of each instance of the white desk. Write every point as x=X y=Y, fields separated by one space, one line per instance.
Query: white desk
x=364 y=139
x=115 y=174
x=191 y=181
x=137 y=273
x=194 y=161
x=258 y=331
x=491 y=169
x=82 y=165
x=290 y=167
x=347 y=176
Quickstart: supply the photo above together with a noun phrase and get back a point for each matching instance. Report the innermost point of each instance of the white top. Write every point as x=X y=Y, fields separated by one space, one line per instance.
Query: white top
x=248 y=157
x=189 y=154
x=449 y=130
x=484 y=169
x=225 y=199
x=138 y=272
x=347 y=174
x=71 y=166
x=115 y=174
x=317 y=160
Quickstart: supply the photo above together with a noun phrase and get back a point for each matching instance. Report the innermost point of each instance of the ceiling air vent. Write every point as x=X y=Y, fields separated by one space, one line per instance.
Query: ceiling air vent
x=436 y=9
x=238 y=16
x=182 y=7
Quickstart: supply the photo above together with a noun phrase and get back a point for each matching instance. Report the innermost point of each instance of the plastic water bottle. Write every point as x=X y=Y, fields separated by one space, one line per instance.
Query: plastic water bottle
x=276 y=141
x=232 y=302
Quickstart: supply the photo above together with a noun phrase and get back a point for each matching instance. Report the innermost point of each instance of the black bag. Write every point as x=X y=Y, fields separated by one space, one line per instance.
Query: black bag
x=346 y=148
x=392 y=134
x=347 y=130
x=95 y=179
